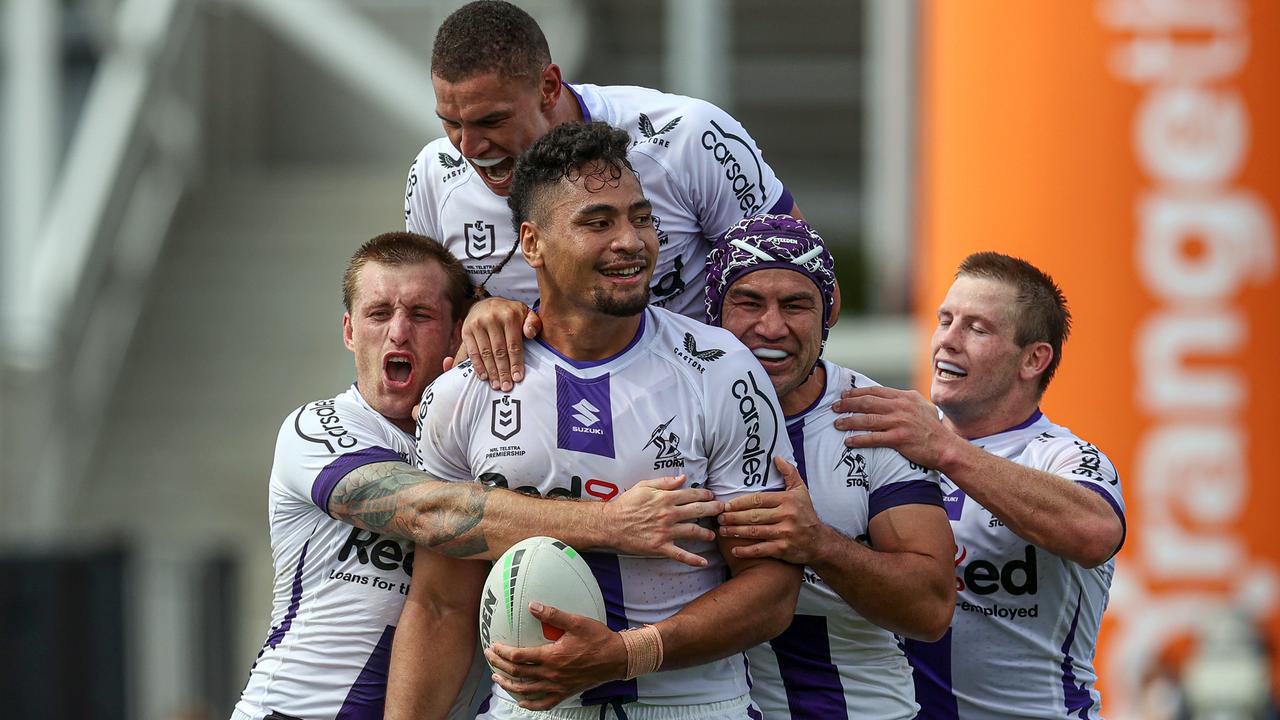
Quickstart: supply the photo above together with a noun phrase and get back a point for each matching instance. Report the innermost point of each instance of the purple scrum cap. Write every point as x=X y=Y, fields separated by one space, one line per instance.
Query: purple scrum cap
x=770 y=241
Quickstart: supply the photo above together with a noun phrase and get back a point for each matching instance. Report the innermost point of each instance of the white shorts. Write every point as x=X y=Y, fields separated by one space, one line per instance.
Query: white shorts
x=739 y=708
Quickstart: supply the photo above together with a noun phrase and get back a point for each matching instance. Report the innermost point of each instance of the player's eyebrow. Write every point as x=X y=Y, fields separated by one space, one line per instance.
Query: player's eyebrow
x=494 y=116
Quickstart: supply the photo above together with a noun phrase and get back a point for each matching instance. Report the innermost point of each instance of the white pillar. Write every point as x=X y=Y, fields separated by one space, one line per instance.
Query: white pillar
x=890 y=149
x=696 y=50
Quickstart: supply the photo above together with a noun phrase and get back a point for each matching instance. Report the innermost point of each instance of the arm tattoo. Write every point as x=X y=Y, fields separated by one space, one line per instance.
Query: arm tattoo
x=393 y=498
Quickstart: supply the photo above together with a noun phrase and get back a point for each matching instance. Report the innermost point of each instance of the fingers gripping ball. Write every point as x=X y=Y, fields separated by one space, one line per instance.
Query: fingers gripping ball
x=540 y=569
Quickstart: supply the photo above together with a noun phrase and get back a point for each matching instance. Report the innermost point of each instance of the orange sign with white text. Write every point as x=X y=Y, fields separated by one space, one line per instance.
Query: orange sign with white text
x=1131 y=148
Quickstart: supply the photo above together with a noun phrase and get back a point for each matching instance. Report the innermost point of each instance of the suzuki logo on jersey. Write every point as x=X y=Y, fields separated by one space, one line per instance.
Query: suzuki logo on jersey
x=651 y=135
x=504 y=420
x=668 y=444
x=855 y=469
x=983 y=577
x=480 y=239
x=584 y=415
x=741 y=167
x=953 y=503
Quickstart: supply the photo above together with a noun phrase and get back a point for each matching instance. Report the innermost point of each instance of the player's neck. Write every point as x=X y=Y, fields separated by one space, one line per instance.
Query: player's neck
x=1005 y=413
x=804 y=396
x=567 y=109
x=585 y=336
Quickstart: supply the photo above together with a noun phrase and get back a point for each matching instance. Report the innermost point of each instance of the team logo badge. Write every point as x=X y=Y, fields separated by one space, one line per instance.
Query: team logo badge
x=855 y=468
x=480 y=239
x=668 y=445
x=504 y=421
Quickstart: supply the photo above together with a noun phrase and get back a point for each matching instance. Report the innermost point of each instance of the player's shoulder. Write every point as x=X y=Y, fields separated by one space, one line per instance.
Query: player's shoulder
x=439 y=164
x=655 y=120
x=1056 y=448
x=334 y=425
x=701 y=348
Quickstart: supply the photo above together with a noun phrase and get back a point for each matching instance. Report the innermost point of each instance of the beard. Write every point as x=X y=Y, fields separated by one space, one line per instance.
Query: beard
x=625 y=306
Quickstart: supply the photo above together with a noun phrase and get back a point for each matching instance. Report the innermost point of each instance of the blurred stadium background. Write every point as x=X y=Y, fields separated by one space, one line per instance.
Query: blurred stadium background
x=184 y=179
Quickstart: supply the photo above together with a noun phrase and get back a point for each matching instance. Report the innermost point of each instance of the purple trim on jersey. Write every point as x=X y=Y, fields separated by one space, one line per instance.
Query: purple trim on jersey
x=931 y=671
x=484 y=706
x=333 y=473
x=1074 y=697
x=784 y=204
x=295 y=599
x=811 y=680
x=795 y=431
x=586 y=114
x=584 y=414
x=608 y=572
x=953 y=503
x=1124 y=527
x=907 y=492
x=368 y=695
x=1025 y=423
x=586 y=364
x=754 y=714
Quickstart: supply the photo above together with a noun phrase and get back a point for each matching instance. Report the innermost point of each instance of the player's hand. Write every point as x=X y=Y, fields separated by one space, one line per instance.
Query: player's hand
x=586 y=655
x=784 y=523
x=899 y=419
x=493 y=337
x=652 y=515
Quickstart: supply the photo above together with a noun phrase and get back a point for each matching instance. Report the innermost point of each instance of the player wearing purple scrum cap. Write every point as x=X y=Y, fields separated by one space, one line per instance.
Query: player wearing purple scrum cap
x=867 y=524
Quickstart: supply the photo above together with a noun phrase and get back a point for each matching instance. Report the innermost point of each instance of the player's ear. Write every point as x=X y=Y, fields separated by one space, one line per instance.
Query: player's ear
x=346 y=332
x=1035 y=359
x=531 y=243
x=549 y=87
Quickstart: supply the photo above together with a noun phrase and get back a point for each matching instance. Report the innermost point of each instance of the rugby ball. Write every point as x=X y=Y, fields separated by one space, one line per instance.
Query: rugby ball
x=539 y=569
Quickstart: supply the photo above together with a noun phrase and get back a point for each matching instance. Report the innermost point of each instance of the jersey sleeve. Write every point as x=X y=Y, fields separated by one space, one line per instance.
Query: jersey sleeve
x=1083 y=463
x=746 y=427
x=724 y=172
x=895 y=480
x=419 y=212
x=320 y=443
x=444 y=421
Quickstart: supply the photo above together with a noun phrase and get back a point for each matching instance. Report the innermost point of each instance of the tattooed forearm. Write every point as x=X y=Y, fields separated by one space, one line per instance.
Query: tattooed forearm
x=394 y=498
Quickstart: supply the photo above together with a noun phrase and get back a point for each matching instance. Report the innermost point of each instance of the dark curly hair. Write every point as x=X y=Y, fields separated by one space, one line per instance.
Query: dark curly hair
x=1041 y=313
x=489 y=36
x=568 y=151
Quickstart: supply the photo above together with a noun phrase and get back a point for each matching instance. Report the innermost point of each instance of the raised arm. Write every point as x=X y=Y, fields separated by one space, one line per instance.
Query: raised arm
x=472 y=520
x=1045 y=509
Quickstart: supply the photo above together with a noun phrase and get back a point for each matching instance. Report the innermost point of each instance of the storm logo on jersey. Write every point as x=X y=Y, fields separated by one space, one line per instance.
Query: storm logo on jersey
x=668 y=444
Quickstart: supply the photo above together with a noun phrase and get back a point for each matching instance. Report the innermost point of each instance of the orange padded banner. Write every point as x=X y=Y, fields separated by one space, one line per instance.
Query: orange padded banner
x=1131 y=148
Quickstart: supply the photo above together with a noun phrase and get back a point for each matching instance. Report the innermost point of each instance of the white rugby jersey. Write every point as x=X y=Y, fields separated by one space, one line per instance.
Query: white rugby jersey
x=339 y=590
x=831 y=662
x=698 y=166
x=1022 y=639
x=682 y=397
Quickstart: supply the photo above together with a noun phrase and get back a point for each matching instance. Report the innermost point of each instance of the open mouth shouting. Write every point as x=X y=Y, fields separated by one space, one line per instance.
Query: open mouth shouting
x=496 y=172
x=397 y=370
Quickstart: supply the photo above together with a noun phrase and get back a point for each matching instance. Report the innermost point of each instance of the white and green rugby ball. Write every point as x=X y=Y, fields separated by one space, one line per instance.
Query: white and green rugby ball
x=540 y=569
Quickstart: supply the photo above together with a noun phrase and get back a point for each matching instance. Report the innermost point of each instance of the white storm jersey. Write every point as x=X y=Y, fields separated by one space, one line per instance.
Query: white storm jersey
x=698 y=166
x=1022 y=639
x=831 y=662
x=682 y=397
x=338 y=589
